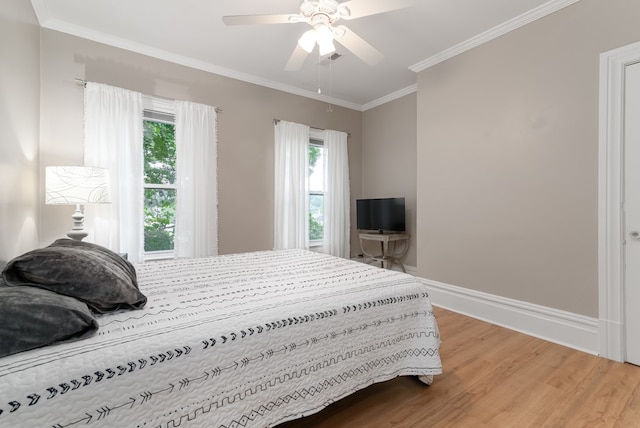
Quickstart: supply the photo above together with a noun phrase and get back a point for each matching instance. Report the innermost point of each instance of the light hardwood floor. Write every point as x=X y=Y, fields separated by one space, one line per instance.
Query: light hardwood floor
x=495 y=377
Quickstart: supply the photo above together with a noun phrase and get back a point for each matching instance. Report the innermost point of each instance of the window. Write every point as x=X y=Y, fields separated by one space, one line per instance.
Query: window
x=316 y=192
x=321 y=200
x=159 y=182
x=178 y=172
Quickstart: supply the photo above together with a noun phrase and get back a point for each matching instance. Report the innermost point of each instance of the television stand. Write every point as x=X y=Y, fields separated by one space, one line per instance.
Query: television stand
x=387 y=257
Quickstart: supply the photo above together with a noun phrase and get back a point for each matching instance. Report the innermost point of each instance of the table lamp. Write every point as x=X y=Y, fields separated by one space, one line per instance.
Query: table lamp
x=76 y=185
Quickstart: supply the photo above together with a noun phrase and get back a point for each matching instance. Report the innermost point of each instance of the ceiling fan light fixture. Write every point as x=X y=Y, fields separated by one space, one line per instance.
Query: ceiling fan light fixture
x=308 y=40
x=323 y=34
x=324 y=37
x=326 y=47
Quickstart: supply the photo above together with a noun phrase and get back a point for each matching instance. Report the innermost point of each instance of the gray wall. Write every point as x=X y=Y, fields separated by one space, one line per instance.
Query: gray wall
x=245 y=129
x=508 y=159
x=389 y=158
x=19 y=122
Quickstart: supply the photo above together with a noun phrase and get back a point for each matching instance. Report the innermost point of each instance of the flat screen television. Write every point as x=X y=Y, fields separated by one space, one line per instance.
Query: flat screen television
x=382 y=215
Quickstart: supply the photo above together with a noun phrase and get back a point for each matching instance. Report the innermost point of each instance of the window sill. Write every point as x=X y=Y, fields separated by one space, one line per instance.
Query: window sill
x=317 y=246
x=159 y=255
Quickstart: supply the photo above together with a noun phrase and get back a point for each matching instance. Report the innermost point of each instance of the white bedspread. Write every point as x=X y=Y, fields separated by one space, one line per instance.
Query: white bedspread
x=241 y=340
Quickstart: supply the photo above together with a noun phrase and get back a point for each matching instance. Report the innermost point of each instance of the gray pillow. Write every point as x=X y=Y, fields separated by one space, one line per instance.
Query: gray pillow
x=32 y=317
x=91 y=273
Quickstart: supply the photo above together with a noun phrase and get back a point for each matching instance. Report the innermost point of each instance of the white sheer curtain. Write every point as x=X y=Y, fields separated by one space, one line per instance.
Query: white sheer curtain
x=336 y=195
x=291 y=214
x=113 y=140
x=196 y=176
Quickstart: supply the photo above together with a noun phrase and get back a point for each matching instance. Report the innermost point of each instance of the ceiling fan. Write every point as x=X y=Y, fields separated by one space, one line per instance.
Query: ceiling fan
x=323 y=15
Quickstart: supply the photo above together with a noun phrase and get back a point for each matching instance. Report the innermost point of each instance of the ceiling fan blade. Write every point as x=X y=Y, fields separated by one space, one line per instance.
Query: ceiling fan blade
x=296 y=59
x=359 y=46
x=260 y=19
x=360 y=8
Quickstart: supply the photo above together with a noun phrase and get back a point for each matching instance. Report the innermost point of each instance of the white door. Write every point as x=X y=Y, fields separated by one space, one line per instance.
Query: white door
x=632 y=212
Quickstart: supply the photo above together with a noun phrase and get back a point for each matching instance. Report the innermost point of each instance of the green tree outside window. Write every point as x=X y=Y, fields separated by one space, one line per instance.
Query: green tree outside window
x=160 y=193
x=316 y=201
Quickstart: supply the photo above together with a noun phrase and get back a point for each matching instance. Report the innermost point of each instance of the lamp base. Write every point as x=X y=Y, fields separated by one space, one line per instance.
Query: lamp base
x=78 y=235
x=78 y=232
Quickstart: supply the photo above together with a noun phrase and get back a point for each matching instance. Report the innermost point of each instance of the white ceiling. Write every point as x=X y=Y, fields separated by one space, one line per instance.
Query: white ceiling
x=191 y=32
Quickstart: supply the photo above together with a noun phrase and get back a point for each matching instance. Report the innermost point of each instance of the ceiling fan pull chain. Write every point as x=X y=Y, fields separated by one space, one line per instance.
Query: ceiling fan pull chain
x=330 y=107
x=319 y=57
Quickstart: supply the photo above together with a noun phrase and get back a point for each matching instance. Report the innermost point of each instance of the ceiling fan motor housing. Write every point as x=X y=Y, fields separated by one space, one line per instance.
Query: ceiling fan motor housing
x=323 y=12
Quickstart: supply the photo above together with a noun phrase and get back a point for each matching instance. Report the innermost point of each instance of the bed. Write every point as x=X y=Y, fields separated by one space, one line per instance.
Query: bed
x=240 y=340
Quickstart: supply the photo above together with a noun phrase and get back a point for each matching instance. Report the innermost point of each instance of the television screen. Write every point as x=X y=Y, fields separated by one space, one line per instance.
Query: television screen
x=383 y=215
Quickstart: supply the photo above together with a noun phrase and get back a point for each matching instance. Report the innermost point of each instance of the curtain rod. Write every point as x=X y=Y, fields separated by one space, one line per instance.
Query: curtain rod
x=276 y=121
x=84 y=83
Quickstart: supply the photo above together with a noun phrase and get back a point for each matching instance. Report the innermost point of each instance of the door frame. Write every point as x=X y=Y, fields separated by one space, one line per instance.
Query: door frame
x=610 y=197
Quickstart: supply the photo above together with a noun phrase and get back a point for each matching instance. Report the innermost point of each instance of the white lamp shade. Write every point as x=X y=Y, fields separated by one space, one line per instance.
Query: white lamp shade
x=323 y=34
x=69 y=185
x=324 y=37
x=308 y=40
x=326 y=47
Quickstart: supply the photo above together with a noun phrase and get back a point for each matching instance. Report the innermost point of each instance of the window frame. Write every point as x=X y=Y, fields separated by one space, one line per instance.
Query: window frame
x=164 y=110
x=316 y=138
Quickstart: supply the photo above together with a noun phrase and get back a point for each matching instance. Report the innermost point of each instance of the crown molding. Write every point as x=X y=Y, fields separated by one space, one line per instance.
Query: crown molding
x=393 y=96
x=107 y=39
x=42 y=10
x=513 y=24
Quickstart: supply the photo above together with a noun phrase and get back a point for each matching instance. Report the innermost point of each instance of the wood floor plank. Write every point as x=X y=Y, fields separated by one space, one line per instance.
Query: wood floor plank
x=494 y=377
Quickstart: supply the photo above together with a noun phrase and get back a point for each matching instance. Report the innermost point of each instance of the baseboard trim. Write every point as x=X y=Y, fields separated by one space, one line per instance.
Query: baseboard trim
x=411 y=270
x=565 y=328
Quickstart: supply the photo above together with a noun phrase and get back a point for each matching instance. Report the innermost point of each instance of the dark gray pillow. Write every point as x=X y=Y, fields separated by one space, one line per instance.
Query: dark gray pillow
x=32 y=317
x=91 y=273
